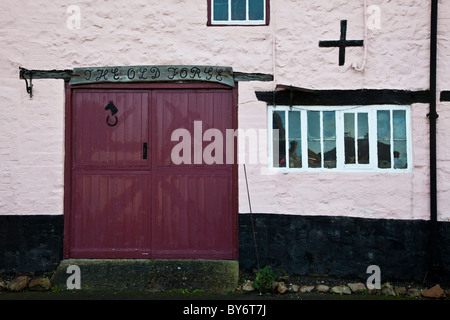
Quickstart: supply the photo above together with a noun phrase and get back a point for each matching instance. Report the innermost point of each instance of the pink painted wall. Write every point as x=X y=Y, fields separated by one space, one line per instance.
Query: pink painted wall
x=35 y=35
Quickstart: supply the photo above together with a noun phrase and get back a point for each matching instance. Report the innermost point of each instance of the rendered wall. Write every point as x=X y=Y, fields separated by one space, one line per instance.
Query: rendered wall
x=35 y=35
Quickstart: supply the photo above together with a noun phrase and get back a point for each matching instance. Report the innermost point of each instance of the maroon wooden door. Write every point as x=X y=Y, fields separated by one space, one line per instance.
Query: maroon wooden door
x=192 y=203
x=111 y=208
x=128 y=199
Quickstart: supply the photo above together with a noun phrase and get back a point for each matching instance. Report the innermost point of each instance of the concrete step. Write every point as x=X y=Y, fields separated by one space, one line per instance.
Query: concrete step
x=144 y=274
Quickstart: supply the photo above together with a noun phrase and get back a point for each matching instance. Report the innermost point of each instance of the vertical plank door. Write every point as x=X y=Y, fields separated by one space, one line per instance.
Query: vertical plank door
x=111 y=177
x=192 y=205
x=129 y=197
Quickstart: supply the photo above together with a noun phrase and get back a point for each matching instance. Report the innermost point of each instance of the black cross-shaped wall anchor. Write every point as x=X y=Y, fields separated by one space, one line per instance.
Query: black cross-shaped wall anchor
x=342 y=43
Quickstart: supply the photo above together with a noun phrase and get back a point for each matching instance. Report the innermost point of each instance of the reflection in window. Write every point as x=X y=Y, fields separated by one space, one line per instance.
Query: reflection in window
x=279 y=139
x=321 y=139
x=363 y=138
x=314 y=147
x=349 y=136
x=238 y=9
x=256 y=9
x=329 y=139
x=399 y=126
x=356 y=150
x=220 y=10
x=353 y=138
x=384 y=138
x=295 y=142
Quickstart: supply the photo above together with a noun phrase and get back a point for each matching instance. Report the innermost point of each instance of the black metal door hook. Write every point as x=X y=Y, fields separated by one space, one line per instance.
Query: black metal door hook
x=29 y=87
x=112 y=124
x=111 y=107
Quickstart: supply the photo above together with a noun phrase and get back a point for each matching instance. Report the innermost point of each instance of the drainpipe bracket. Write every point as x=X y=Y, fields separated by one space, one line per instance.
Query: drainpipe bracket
x=432 y=116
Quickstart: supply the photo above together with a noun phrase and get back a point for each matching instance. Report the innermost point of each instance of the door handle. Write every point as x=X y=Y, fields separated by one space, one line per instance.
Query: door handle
x=144 y=151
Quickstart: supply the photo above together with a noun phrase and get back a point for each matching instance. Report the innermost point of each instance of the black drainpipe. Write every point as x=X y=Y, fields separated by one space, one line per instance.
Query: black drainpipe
x=434 y=269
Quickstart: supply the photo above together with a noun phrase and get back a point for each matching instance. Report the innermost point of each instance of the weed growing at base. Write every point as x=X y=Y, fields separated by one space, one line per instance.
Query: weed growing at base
x=264 y=280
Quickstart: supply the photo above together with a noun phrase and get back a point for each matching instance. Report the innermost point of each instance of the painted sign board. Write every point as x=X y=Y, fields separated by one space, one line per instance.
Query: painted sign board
x=88 y=75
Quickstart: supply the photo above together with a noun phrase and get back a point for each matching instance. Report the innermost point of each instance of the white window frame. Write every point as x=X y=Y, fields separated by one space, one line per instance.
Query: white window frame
x=247 y=21
x=340 y=139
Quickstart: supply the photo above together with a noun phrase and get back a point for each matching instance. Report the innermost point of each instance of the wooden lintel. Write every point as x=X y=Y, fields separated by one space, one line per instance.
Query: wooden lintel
x=288 y=87
x=242 y=76
x=67 y=74
x=445 y=96
x=344 y=97
x=45 y=74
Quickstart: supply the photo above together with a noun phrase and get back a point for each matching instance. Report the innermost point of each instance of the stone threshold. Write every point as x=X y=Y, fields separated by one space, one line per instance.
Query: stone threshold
x=218 y=276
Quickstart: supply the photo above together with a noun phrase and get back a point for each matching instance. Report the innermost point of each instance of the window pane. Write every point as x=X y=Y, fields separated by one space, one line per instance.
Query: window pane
x=363 y=138
x=295 y=142
x=329 y=139
x=294 y=125
x=400 y=149
x=279 y=139
x=313 y=125
x=384 y=138
x=349 y=136
x=399 y=124
x=329 y=160
x=314 y=154
x=329 y=125
x=238 y=9
x=314 y=148
x=256 y=9
x=220 y=10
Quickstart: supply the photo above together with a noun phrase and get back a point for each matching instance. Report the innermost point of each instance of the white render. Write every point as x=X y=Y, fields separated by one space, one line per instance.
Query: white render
x=39 y=35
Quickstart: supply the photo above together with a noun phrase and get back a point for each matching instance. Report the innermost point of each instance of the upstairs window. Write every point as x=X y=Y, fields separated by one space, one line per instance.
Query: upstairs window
x=375 y=138
x=238 y=12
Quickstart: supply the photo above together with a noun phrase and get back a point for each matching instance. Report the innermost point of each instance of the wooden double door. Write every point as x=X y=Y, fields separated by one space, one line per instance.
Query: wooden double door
x=127 y=194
